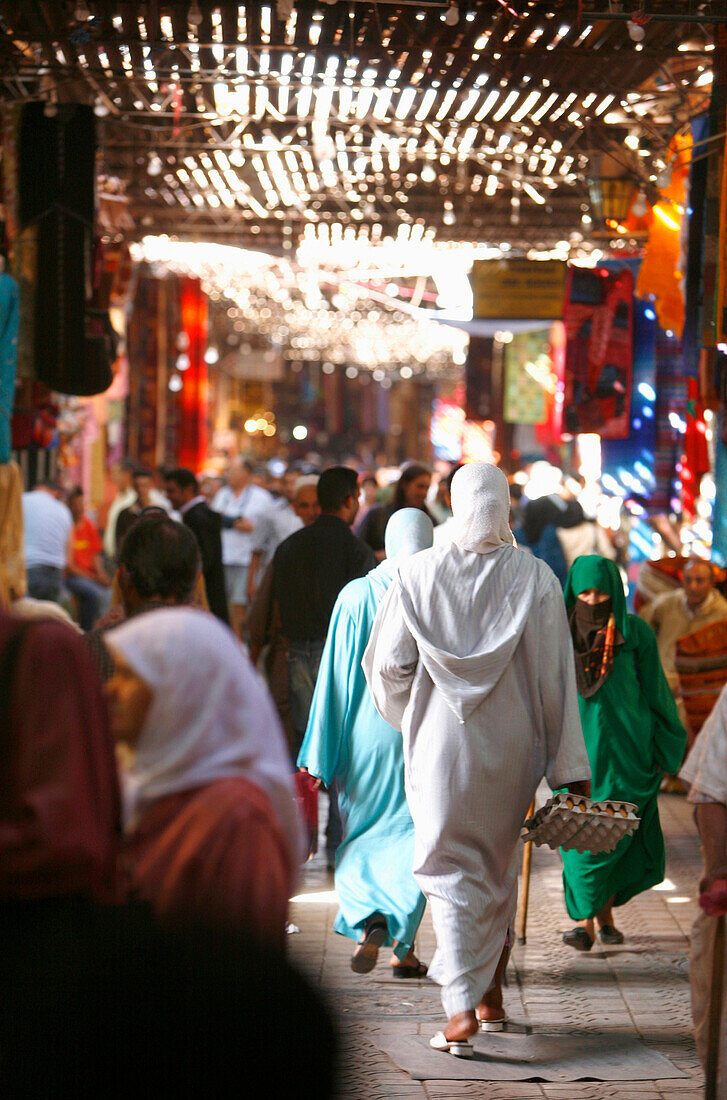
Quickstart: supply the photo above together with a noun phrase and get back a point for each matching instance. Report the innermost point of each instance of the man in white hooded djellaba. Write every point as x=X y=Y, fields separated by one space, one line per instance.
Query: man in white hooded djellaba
x=471 y=658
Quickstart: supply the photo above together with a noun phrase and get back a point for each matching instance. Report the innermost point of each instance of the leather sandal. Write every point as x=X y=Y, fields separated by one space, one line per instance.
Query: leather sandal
x=610 y=935
x=374 y=935
x=404 y=970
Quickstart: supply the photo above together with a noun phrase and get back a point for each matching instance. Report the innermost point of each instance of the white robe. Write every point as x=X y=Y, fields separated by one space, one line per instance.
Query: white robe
x=706 y=772
x=471 y=657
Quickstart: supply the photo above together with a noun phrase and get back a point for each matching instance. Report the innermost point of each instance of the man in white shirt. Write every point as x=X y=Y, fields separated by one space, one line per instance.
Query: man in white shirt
x=123 y=477
x=296 y=508
x=242 y=506
x=47 y=525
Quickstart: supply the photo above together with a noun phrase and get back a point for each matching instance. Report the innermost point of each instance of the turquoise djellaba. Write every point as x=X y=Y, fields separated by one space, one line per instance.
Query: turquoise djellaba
x=347 y=740
x=633 y=735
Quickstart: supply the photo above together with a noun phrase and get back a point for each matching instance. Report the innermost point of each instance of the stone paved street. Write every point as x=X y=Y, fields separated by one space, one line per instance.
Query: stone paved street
x=641 y=987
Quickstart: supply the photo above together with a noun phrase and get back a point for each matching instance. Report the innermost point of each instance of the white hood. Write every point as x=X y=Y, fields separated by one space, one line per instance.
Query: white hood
x=467 y=615
x=481 y=508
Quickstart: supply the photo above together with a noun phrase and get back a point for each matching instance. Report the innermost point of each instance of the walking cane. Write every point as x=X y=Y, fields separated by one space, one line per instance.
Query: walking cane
x=522 y=913
x=715 y=905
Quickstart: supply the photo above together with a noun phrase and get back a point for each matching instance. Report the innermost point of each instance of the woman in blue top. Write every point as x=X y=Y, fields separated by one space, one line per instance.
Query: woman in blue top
x=347 y=740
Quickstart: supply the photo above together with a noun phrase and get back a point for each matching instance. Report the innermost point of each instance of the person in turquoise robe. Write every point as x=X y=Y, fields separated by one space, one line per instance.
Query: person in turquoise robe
x=633 y=735
x=347 y=740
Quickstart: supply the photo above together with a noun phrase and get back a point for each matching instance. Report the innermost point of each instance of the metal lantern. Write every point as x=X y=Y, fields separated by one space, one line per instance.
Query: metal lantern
x=611 y=198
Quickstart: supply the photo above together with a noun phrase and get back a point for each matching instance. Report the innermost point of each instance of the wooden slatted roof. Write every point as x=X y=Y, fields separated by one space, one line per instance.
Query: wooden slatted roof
x=267 y=123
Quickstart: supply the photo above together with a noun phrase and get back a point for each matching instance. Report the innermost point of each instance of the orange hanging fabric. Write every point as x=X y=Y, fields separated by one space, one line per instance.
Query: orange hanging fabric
x=660 y=274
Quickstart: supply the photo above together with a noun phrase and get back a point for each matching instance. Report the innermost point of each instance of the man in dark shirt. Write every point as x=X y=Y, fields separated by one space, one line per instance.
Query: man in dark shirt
x=143 y=484
x=183 y=492
x=309 y=570
x=312 y=565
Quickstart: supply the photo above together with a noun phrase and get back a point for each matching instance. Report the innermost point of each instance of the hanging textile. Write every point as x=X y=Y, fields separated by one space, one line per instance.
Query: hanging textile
x=671 y=422
x=9 y=317
x=660 y=274
x=719 y=512
x=149 y=316
x=715 y=202
x=192 y=400
x=695 y=460
x=627 y=465
x=478 y=378
x=528 y=371
x=695 y=249
x=599 y=356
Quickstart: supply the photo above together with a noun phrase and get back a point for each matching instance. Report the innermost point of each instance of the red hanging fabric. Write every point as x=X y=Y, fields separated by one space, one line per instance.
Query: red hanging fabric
x=695 y=461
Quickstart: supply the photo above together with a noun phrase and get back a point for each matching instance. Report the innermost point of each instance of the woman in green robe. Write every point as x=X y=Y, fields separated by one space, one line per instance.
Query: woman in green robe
x=632 y=733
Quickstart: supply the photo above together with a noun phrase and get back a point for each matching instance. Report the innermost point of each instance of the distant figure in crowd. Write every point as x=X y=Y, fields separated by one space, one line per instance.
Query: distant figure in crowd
x=347 y=741
x=297 y=508
x=86 y=577
x=585 y=538
x=265 y=631
x=443 y=533
x=210 y=485
x=481 y=683
x=674 y=614
x=80 y=965
x=143 y=488
x=159 y=564
x=368 y=497
x=632 y=733
x=241 y=505
x=542 y=519
x=309 y=570
x=206 y=526
x=123 y=478
x=13 y=584
x=516 y=505
x=555 y=506
x=410 y=491
x=47 y=524
x=212 y=826
x=706 y=773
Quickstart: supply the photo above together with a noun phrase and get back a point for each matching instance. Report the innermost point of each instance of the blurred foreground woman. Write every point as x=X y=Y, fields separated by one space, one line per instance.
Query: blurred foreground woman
x=212 y=826
x=632 y=733
x=95 y=998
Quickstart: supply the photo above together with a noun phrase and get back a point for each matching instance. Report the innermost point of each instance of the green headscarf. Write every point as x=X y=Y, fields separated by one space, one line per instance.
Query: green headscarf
x=592 y=571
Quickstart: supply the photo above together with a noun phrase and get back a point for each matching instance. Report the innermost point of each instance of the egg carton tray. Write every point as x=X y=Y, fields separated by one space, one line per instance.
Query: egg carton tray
x=572 y=822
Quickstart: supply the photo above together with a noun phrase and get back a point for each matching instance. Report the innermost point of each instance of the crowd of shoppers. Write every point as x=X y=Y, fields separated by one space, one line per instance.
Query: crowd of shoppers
x=428 y=687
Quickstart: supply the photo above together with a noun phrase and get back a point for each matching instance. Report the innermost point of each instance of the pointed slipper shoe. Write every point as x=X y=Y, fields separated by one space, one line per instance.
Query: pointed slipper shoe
x=459 y=1048
x=493 y=1025
x=610 y=935
x=578 y=938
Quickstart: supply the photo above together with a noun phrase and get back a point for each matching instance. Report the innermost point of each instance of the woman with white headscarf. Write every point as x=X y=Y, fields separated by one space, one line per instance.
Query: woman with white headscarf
x=470 y=656
x=212 y=827
x=347 y=740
